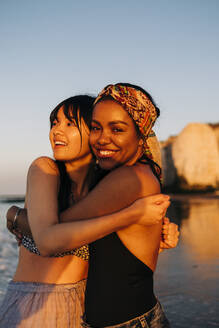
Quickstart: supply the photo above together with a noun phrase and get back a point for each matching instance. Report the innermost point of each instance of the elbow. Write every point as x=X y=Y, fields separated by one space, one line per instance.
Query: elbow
x=49 y=243
x=45 y=252
x=45 y=247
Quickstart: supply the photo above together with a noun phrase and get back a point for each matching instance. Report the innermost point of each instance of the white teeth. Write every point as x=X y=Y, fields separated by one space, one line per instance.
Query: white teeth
x=106 y=152
x=60 y=143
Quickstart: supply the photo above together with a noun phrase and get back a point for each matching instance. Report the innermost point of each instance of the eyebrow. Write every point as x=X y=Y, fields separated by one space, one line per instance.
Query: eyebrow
x=112 y=122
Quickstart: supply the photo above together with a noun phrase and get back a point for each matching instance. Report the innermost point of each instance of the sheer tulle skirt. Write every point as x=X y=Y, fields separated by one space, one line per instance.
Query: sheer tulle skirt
x=35 y=305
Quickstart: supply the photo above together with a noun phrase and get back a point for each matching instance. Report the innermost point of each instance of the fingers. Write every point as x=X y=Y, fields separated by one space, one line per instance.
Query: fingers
x=166 y=244
x=164 y=205
x=11 y=212
x=171 y=243
x=10 y=217
x=159 y=198
x=170 y=234
x=169 y=227
x=161 y=210
x=10 y=225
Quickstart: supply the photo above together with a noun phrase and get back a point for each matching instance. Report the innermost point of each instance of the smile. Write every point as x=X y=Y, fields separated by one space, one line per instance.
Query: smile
x=60 y=143
x=105 y=153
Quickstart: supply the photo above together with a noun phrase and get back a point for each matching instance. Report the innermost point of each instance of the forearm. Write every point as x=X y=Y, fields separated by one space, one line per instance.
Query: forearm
x=83 y=210
x=74 y=214
x=67 y=236
x=114 y=192
x=105 y=198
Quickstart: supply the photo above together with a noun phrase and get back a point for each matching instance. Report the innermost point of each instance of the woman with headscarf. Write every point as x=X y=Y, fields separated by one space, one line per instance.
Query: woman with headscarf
x=119 y=289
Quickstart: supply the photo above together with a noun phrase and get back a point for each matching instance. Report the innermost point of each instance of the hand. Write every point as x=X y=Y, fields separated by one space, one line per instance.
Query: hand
x=10 y=218
x=151 y=209
x=170 y=235
x=10 y=215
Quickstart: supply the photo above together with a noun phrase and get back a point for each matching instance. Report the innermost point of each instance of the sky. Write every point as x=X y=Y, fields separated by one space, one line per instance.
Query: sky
x=52 y=49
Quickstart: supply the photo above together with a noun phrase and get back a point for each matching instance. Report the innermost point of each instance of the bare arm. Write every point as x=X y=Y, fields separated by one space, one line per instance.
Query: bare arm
x=169 y=238
x=117 y=190
x=52 y=237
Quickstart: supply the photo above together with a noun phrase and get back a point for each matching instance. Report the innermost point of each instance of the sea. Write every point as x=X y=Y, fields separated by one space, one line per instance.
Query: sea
x=187 y=277
x=8 y=247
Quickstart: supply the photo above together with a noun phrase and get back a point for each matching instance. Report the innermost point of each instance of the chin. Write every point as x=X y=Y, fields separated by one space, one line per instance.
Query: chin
x=108 y=164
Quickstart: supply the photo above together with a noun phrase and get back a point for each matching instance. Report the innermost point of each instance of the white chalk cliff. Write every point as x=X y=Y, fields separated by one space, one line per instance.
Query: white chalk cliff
x=192 y=158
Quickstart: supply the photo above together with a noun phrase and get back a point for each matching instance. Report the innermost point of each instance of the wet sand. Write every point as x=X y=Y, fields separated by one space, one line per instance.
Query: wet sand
x=187 y=278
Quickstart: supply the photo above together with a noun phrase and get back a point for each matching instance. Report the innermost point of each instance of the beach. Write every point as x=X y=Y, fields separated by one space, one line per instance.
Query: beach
x=187 y=277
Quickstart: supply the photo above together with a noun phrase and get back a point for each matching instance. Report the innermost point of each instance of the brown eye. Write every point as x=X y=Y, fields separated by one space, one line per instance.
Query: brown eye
x=71 y=123
x=94 y=128
x=117 y=130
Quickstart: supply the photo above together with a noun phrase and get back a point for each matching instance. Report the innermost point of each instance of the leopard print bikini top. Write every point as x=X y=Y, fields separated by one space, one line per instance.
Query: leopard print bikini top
x=81 y=252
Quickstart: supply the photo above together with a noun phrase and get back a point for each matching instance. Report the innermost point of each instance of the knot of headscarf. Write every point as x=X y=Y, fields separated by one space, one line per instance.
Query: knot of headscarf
x=142 y=111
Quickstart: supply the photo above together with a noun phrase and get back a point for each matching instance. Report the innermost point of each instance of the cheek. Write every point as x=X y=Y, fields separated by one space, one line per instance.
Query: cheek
x=73 y=135
x=75 y=143
x=50 y=137
x=131 y=144
x=129 y=140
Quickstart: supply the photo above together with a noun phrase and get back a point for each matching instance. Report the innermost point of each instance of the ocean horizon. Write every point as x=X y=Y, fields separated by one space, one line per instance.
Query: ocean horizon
x=12 y=197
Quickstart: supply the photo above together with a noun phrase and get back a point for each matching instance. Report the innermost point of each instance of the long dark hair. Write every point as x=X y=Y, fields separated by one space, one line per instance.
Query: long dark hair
x=75 y=109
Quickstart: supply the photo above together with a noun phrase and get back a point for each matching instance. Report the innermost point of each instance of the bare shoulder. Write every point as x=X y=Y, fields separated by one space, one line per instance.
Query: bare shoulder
x=43 y=172
x=130 y=173
x=122 y=178
x=132 y=181
x=45 y=165
x=149 y=182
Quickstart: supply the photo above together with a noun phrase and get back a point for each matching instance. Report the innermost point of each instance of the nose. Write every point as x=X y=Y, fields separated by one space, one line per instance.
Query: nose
x=57 y=129
x=104 y=138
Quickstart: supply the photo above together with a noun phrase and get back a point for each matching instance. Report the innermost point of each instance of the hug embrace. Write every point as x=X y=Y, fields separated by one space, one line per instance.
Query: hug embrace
x=94 y=219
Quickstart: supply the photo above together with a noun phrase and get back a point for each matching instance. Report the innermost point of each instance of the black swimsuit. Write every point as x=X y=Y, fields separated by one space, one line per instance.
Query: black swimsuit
x=119 y=286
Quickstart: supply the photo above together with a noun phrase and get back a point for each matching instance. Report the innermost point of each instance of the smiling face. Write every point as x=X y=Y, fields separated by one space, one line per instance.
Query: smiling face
x=113 y=137
x=67 y=143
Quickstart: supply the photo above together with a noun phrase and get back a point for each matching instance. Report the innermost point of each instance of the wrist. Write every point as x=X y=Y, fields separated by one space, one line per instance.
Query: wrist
x=133 y=213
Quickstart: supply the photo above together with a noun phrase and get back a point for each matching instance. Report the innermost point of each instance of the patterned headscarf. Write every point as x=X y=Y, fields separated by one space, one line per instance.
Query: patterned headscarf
x=142 y=111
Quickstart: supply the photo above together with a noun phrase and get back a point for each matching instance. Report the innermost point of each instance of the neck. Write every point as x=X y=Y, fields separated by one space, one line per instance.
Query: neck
x=78 y=170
